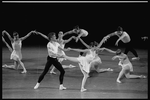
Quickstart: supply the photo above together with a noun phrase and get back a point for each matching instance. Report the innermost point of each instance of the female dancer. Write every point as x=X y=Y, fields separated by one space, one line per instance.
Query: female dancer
x=97 y=61
x=84 y=61
x=125 y=38
x=126 y=66
x=16 y=54
x=62 y=45
x=52 y=48
x=10 y=49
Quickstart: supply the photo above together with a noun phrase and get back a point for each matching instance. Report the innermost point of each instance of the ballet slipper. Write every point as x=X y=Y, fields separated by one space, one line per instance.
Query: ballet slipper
x=36 y=86
x=83 y=89
x=53 y=73
x=61 y=87
x=23 y=72
x=118 y=81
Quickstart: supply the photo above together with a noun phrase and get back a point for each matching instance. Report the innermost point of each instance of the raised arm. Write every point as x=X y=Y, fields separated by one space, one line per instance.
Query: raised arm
x=84 y=43
x=26 y=36
x=66 y=41
x=42 y=35
x=69 y=32
x=10 y=49
x=10 y=38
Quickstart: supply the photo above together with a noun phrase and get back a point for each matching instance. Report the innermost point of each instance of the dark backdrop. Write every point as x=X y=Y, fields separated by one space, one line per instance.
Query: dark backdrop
x=99 y=19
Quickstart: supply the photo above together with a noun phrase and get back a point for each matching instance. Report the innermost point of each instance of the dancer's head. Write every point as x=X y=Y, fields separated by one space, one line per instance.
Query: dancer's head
x=118 y=52
x=76 y=29
x=119 y=30
x=15 y=35
x=52 y=36
x=60 y=34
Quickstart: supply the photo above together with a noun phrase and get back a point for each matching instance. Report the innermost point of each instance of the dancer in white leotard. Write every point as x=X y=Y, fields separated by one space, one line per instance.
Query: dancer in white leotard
x=126 y=66
x=16 y=54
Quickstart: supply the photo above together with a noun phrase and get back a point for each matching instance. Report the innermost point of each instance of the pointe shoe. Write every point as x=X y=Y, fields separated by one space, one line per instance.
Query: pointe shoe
x=135 y=58
x=61 y=87
x=118 y=81
x=142 y=76
x=109 y=69
x=36 y=86
x=53 y=73
x=71 y=66
x=4 y=65
x=82 y=90
x=23 y=72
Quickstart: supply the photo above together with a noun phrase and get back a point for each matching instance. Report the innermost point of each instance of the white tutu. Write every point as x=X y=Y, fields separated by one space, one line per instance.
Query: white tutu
x=16 y=55
x=126 y=66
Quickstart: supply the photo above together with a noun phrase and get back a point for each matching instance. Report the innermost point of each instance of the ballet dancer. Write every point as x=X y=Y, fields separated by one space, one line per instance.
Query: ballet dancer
x=97 y=60
x=84 y=61
x=53 y=54
x=125 y=38
x=10 y=49
x=144 y=38
x=62 y=43
x=16 y=54
x=126 y=66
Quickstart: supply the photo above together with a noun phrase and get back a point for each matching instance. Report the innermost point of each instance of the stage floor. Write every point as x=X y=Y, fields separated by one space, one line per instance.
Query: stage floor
x=99 y=85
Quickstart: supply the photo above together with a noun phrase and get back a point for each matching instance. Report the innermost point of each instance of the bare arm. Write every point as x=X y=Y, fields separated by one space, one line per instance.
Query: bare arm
x=102 y=41
x=10 y=38
x=10 y=49
x=66 y=41
x=79 y=50
x=84 y=43
x=26 y=36
x=42 y=35
x=69 y=32
x=111 y=51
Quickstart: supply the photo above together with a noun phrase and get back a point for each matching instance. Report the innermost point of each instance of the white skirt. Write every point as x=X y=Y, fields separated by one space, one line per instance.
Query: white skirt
x=85 y=63
x=15 y=55
x=126 y=66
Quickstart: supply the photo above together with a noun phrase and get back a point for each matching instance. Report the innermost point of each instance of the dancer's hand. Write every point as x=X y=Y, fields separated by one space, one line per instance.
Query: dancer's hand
x=68 y=48
x=3 y=32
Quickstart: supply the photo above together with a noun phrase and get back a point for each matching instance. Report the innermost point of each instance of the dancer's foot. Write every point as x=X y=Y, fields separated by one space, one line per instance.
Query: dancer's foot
x=23 y=72
x=142 y=76
x=37 y=85
x=83 y=89
x=61 y=87
x=52 y=72
x=109 y=69
x=71 y=66
x=4 y=66
x=118 y=81
x=135 y=58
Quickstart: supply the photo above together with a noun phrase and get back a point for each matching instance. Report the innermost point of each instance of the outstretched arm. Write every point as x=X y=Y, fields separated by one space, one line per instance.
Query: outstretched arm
x=84 y=43
x=102 y=41
x=26 y=36
x=42 y=35
x=111 y=51
x=10 y=38
x=66 y=41
x=10 y=49
x=69 y=32
x=79 y=50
